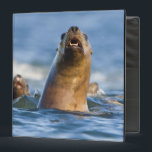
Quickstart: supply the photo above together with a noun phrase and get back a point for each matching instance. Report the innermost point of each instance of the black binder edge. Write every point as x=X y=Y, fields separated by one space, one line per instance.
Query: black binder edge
x=133 y=126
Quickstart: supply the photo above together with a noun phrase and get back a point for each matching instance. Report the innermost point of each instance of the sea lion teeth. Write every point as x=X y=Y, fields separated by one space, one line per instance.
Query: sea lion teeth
x=73 y=44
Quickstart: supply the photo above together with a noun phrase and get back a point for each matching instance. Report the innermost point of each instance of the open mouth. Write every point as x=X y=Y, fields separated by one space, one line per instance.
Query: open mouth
x=74 y=43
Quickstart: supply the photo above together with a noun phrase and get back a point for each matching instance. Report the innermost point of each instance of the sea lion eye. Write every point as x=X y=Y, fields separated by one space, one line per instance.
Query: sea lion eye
x=85 y=36
x=62 y=35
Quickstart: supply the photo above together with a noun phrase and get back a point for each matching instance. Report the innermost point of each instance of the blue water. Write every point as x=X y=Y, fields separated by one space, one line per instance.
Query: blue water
x=35 y=39
x=104 y=121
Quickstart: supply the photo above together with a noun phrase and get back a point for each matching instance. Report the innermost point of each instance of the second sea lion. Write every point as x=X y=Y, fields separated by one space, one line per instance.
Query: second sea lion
x=93 y=88
x=68 y=80
x=20 y=87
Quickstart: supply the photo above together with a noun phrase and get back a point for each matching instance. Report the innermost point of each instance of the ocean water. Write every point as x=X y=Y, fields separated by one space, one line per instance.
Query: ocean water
x=35 y=39
x=104 y=121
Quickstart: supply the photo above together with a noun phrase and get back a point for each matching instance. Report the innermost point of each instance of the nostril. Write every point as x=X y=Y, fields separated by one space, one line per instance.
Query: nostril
x=74 y=28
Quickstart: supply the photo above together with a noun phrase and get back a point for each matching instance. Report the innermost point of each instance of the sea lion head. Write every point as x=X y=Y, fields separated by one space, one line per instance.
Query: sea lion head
x=93 y=88
x=74 y=44
x=20 y=86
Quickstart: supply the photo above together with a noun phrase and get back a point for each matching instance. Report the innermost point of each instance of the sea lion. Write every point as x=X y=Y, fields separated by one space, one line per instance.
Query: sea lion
x=67 y=83
x=93 y=88
x=20 y=87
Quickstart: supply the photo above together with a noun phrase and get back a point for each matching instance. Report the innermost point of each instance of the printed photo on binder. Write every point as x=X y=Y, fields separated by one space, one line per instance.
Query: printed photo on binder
x=68 y=75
